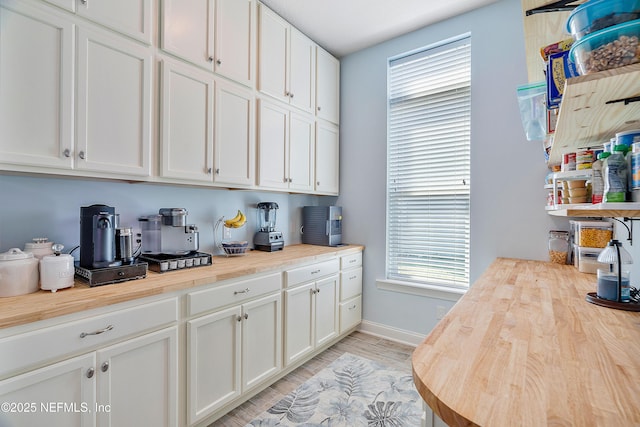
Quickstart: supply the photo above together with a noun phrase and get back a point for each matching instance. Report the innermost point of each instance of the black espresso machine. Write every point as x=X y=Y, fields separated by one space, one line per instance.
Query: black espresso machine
x=106 y=251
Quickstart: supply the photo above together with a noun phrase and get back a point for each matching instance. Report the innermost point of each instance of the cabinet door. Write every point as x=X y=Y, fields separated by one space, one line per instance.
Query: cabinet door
x=261 y=340
x=113 y=104
x=70 y=383
x=213 y=370
x=187 y=122
x=301 y=152
x=326 y=320
x=187 y=30
x=137 y=381
x=273 y=157
x=299 y=322
x=130 y=17
x=302 y=68
x=327 y=158
x=36 y=86
x=327 y=86
x=272 y=55
x=234 y=142
x=235 y=39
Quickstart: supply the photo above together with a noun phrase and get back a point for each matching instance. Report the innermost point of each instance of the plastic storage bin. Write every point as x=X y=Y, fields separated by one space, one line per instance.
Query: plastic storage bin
x=628 y=138
x=596 y=15
x=612 y=47
x=587 y=260
x=533 y=110
x=593 y=234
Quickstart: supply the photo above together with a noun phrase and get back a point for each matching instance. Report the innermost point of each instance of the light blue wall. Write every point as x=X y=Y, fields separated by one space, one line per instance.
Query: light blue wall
x=35 y=206
x=507 y=172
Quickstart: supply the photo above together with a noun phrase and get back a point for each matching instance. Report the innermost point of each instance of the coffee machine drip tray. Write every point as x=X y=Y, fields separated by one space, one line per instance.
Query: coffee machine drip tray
x=161 y=263
x=109 y=275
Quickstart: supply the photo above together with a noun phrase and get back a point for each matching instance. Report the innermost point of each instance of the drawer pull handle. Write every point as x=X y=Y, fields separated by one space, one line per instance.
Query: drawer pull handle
x=245 y=291
x=351 y=261
x=352 y=277
x=90 y=372
x=352 y=307
x=104 y=367
x=315 y=271
x=98 y=332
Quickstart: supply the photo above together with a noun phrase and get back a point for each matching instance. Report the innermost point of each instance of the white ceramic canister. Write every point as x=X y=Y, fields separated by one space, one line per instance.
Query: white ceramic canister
x=39 y=247
x=56 y=271
x=18 y=273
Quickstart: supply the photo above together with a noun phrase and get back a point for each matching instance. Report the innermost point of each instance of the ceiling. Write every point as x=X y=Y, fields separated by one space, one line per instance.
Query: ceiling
x=345 y=26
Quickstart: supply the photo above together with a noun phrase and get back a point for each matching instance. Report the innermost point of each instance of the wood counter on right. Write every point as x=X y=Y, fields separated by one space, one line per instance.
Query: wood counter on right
x=523 y=347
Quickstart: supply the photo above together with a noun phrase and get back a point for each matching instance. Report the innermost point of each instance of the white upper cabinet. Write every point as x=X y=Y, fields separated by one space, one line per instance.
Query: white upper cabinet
x=234 y=141
x=286 y=61
x=286 y=148
x=113 y=104
x=36 y=86
x=327 y=158
x=327 y=86
x=130 y=17
x=218 y=35
x=186 y=137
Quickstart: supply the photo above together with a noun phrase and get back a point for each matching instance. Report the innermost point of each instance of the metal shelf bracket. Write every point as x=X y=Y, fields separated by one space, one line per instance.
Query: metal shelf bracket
x=556 y=6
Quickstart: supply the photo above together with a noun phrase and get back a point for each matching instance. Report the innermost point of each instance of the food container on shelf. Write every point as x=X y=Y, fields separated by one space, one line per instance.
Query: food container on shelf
x=18 y=273
x=612 y=47
x=39 y=247
x=628 y=138
x=593 y=234
x=587 y=259
x=595 y=15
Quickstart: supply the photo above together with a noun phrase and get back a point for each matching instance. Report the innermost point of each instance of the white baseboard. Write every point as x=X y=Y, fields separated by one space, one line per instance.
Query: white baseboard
x=393 y=334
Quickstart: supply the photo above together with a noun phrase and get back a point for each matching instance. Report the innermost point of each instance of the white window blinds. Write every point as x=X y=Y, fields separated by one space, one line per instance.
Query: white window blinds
x=429 y=130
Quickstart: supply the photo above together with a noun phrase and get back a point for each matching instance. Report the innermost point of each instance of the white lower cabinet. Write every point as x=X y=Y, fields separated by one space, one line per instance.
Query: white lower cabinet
x=311 y=317
x=234 y=349
x=130 y=383
x=350 y=291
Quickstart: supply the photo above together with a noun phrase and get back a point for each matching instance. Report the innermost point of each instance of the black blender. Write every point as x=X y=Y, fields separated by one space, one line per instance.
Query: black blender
x=268 y=238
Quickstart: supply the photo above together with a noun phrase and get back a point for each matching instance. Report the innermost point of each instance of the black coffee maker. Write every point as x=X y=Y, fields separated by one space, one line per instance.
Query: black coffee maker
x=97 y=237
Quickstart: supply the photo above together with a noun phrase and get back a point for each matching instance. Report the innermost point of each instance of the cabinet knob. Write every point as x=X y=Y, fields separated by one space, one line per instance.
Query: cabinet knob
x=291 y=95
x=209 y=170
x=66 y=152
x=219 y=62
x=290 y=180
x=210 y=59
x=318 y=183
x=90 y=372
x=81 y=155
x=104 y=367
x=285 y=179
x=317 y=291
x=287 y=94
x=239 y=318
x=319 y=108
x=218 y=171
x=246 y=316
x=83 y=1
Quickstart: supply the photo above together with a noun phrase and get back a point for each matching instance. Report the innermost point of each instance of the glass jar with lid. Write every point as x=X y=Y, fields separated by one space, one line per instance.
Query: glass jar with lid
x=558 y=246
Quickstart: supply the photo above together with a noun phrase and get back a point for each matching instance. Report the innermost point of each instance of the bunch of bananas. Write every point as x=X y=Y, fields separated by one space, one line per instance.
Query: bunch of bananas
x=237 y=221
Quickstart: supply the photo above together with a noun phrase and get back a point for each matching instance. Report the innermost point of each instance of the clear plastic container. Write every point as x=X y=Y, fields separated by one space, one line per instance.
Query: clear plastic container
x=558 y=246
x=612 y=47
x=593 y=234
x=587 y=260
x=151 y=239
x=608 y=285
x=595 y=15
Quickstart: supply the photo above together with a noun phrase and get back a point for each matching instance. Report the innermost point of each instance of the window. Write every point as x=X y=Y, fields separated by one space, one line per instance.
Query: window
x=428 y=181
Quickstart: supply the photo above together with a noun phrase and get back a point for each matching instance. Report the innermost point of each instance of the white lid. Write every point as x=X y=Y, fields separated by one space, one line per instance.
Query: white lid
x=56 y=258
x=15 y=254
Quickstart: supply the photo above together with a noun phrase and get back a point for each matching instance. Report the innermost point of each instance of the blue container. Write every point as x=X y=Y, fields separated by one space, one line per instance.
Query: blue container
x=593 y=53
x=595 y=15
x=628 y=138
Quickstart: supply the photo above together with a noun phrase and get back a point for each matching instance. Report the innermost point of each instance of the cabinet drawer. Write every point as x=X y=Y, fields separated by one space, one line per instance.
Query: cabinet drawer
x=350 y=283
x=42 y=345
x=350 y=313
x=350 y=261
x=311 y=272
x=233 y=293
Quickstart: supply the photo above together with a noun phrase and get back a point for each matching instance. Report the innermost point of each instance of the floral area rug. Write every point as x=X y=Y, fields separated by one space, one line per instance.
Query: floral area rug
x=352 y=391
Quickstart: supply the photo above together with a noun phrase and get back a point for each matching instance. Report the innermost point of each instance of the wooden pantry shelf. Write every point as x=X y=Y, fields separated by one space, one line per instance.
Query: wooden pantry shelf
x=588 y=117
x=600 y=210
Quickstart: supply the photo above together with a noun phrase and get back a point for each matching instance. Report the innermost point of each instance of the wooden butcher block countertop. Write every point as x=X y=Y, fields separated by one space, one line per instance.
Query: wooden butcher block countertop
x=45 y=304
x=524 y=348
